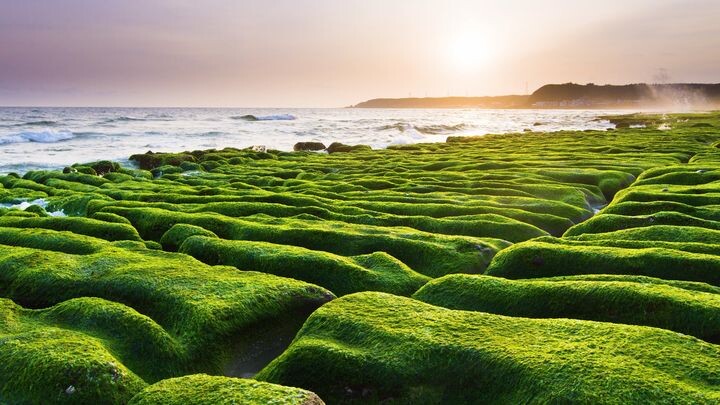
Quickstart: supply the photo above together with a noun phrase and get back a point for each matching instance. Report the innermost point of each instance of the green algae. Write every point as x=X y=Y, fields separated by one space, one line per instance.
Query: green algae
x=177 y=234
x=204 y=389
x=372 y=347
x=208 y=310
x=665 y=225
x=548 y=258
x=41 y=361
x=378 y=220
x=426 y=253
x=340 y=274
x=628 y=300
x=82 y=226
x=60 y=241
x=148 y=161
x=662 y=233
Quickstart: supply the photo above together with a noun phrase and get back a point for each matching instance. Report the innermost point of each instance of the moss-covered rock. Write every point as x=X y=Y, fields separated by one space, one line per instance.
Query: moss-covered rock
x=339 y=274
x=682 y=307
x=83 y=226
x=222 y=319
x=150 y=160
x=336 y=147
x=550 y=258
x=104 y=167
x=204 y=389
x=44 y=361
x=372 y=347
x=386 y=220
x=178 y=233
x=309 y=146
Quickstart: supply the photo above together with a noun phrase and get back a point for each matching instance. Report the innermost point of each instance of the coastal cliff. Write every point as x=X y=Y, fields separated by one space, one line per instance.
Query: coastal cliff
x=571 y=95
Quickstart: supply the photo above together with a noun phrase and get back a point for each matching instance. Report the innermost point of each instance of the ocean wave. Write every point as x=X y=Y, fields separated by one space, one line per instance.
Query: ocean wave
x=44 y=123
x=122 y=118
x=157 y=117
x=46 y=136
x=275 y=117
x=440 y=129
x=424 y=129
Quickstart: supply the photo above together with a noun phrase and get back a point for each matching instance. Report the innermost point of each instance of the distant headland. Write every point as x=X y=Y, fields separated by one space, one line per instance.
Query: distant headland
x=571 y=95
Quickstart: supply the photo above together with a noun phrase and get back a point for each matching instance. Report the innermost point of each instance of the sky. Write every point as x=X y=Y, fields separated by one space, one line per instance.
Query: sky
x=334 y=53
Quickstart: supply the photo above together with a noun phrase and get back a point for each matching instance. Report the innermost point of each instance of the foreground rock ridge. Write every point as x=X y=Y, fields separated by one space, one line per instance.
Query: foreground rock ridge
x=534 y=267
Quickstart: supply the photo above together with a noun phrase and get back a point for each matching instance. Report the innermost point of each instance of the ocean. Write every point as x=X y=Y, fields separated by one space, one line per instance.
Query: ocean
x=52 y=138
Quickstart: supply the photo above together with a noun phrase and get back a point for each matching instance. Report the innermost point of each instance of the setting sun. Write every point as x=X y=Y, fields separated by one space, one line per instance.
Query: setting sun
x=468 y=53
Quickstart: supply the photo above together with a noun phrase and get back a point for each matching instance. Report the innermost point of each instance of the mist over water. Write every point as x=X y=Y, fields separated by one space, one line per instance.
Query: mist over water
x=51 y=138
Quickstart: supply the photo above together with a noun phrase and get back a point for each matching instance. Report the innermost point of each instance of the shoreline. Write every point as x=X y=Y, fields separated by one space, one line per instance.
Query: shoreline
x=116 y=134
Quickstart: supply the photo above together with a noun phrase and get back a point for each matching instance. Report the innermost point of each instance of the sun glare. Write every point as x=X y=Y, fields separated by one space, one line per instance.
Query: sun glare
x=468 y=53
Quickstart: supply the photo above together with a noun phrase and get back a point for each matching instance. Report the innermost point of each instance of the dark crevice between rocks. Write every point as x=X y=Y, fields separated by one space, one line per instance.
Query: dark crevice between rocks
x=264 y=342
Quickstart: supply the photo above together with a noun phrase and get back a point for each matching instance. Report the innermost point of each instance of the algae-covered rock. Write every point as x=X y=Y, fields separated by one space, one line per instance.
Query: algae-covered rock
x=682 y=307
x=341 y=147
x=43 y=360
x=59 y=241
x=339 y=274
x=309 y=146
x=221 y=318
x=83 y=226
x=205 y=389
x=550 y=258
x=426 y=253
x=110 y=217
x=38 y=210
x=84 y=170
x=178 y=233
x=150 y=160
x=166 y=169
x=190 y=166
x=634 y=203
x=374 y=347
x=104 y=167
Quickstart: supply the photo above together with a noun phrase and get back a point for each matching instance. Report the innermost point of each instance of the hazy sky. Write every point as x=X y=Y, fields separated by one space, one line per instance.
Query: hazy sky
x=327 y=53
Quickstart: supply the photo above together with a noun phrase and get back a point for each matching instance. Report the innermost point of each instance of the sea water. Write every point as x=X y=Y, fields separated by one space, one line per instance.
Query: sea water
x=51 y=138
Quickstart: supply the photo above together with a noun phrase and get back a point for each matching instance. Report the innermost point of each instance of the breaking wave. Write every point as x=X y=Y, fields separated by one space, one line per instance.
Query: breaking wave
x=46 y=136
x=424 y=129
x=123 y=118
x=275 y=117
x=44 y=123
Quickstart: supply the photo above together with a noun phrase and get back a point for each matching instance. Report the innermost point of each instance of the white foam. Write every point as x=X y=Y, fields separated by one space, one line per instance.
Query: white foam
x=23 y=205
x=276 y=117
x=44 y=136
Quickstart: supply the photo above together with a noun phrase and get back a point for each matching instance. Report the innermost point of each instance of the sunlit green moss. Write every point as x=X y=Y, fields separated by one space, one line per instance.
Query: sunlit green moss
x=620 y=206
x=372 y=347
x=214 y=313
x=44 y=361
x=625 y=299
x=341 y=275
x=426 y=253
x=204 y=389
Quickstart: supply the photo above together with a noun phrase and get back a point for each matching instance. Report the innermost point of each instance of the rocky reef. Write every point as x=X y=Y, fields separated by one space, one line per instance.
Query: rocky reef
x=534 y=267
